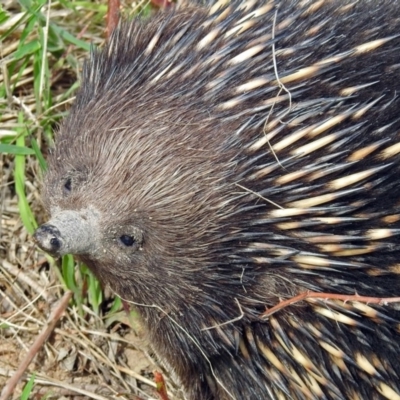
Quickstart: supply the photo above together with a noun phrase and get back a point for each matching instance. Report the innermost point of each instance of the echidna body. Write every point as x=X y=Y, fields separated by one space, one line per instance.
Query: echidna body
x=220 y=160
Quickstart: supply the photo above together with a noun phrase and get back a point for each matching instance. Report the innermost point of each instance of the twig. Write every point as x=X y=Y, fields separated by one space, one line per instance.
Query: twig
x=112 y=16
x=162 y=3
x=281 y=87
x=259 y=195
x=160 y=385
x=41 y=338
x=231 y=321
x=327 y=296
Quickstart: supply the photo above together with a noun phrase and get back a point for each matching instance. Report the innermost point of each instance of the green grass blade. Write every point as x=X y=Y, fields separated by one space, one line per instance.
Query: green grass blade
x=17 y=150
x=38 y=154
x=27 y=390
x=19 y=175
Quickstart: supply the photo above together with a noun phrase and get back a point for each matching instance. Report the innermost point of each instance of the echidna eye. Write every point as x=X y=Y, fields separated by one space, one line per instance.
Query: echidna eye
x=68 y=185
x=127 y=240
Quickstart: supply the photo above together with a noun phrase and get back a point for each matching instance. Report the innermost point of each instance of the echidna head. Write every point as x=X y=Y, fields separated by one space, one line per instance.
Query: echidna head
x=141 y=200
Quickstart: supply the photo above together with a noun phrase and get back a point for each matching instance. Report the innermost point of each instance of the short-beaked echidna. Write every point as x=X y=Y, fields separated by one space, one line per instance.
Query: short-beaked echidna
x=220 y=160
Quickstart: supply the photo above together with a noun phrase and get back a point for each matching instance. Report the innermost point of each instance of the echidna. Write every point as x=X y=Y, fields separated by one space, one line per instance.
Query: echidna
x=221 y=159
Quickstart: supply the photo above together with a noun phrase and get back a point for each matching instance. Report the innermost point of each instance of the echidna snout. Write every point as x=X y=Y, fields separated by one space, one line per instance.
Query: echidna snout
x=69 y=232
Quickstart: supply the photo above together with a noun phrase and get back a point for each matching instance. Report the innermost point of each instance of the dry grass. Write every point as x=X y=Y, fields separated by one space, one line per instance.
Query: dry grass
x=93 y=351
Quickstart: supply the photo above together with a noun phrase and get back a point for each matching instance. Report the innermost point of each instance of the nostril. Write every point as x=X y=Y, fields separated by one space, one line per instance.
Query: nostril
x=55 y=243
x=49 y=239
